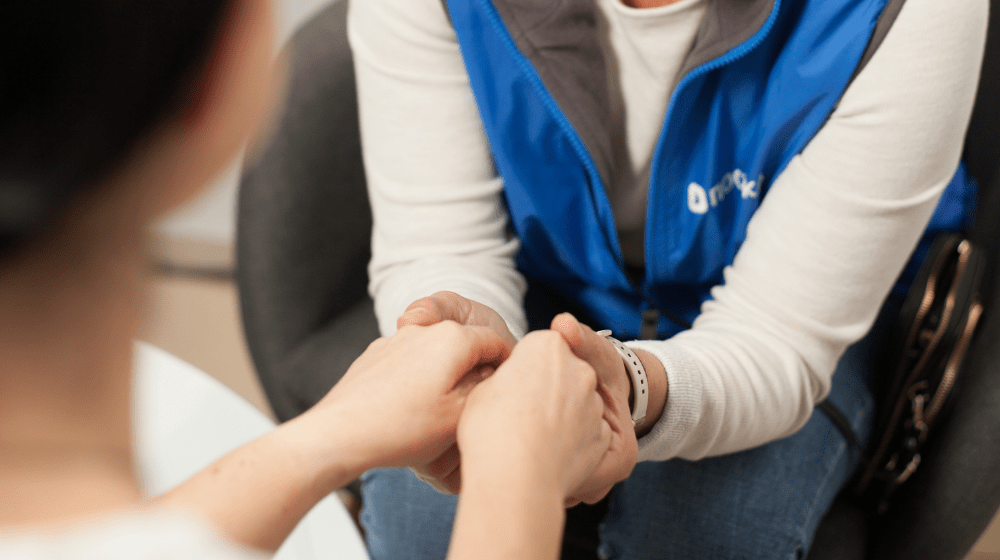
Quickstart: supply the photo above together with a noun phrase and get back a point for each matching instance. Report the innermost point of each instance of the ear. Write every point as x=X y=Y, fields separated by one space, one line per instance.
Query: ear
x=236 y=90
x=232 y=99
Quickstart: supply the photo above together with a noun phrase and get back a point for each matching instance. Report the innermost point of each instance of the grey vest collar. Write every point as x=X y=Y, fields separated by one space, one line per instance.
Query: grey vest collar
x=560 y=38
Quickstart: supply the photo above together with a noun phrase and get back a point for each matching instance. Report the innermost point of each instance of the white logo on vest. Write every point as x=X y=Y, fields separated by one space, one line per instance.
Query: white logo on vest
x=700 y=201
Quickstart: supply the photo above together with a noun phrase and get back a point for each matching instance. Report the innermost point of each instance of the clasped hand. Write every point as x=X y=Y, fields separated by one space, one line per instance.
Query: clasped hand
x=542 y=405
x=452 y=392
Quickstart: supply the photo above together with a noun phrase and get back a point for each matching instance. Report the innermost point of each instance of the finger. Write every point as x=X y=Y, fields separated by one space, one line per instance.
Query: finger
x=470 y=380
x=485 y=346
x=596 y=411
x=421 y=313
x=606 y=434
x=595 y=400
x=581 y=339
x=441 y=306
x=444 y=465
x=434 y=483
x=593 y=497
x=453 y=482
x=571 y=330
x=467 y=354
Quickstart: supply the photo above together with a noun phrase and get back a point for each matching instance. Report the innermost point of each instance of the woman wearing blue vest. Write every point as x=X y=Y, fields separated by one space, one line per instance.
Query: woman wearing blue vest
x=739 y=183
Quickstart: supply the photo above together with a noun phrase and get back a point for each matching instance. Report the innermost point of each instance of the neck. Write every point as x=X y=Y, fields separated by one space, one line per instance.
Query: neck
x=71 y=311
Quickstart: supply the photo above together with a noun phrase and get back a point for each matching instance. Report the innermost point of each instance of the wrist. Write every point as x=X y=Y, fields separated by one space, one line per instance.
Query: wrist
x=658 y=390
x=512 y=465
x=635 y=377
x=496 y=479
x=328 y=458
x=507 y=517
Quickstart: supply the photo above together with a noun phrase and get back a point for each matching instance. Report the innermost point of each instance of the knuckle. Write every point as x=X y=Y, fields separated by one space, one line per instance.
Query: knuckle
x=551 y=339
x=377 y=343
x=596 y=403
x=531 y=341
x=585 y=371
x=448 y=328
x=407 y=331
x=592 y=498
x=452 y=329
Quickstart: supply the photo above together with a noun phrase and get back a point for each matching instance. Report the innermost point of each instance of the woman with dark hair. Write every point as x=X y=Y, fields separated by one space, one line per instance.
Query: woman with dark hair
x=112 y=113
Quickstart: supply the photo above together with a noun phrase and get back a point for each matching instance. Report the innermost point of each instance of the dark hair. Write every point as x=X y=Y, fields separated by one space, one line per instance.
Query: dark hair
x=81 y=82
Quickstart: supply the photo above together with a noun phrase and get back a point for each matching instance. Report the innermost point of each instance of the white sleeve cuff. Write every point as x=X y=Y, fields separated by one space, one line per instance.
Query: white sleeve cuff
x=684 y=405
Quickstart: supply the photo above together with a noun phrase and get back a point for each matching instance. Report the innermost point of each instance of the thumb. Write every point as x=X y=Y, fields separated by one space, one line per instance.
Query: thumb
x=576 y=335
x=441 y=306
x=569 y=327
x=483 y=350
x=420 y=313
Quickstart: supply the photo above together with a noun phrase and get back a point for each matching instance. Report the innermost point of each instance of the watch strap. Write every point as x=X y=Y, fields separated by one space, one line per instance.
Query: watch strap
x=637 y=374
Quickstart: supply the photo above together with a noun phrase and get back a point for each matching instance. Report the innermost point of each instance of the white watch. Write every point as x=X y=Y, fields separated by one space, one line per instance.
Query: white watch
x=637 y=373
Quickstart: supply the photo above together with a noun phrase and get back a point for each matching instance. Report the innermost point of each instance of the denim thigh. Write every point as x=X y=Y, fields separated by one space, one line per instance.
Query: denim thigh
x=404 y=517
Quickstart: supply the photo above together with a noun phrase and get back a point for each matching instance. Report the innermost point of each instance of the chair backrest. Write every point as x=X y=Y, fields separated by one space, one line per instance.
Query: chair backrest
x=982 y=151
x=304 y=228
x=955 y=493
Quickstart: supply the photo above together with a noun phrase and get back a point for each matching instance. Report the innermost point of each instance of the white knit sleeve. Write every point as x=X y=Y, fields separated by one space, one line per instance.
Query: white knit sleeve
x=827 y=243
x=440 y=222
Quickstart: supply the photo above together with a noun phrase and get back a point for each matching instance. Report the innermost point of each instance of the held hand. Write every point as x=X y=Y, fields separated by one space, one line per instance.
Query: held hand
x=449 y=306
x=403 y=396
x=614 y=385
x=443 y=473
x=539 y=418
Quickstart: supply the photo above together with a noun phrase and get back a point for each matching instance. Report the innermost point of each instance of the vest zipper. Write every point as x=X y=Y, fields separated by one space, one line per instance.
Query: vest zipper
x=649 y=321
x=529 y=72
x=730 y=56
x=650 y=318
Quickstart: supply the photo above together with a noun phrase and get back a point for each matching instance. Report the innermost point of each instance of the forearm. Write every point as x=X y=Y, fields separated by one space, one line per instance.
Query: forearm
x=507 y=517
x=439 y=218
x=257 y=494
x=826 y=245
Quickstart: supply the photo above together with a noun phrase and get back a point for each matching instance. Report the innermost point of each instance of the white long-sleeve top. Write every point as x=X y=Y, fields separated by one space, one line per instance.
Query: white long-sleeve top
x=821 y=253
x=153 y=534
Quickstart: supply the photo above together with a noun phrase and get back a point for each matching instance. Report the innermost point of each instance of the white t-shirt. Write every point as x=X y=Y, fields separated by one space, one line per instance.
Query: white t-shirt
x=821 y=253
x=139 y=535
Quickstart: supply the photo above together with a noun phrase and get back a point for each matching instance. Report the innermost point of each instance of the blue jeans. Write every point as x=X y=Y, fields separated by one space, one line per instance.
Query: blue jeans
x=760 y=503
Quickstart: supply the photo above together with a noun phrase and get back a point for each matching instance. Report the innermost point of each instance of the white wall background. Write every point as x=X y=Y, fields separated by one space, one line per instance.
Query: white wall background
x=201 y=235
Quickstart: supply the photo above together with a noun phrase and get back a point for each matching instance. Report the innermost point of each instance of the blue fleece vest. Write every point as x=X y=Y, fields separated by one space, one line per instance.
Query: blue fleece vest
x=733 y=124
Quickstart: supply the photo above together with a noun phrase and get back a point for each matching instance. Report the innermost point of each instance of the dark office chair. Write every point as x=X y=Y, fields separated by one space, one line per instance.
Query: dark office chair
x=303 y=246
x=304 y=228
x=951 y=499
